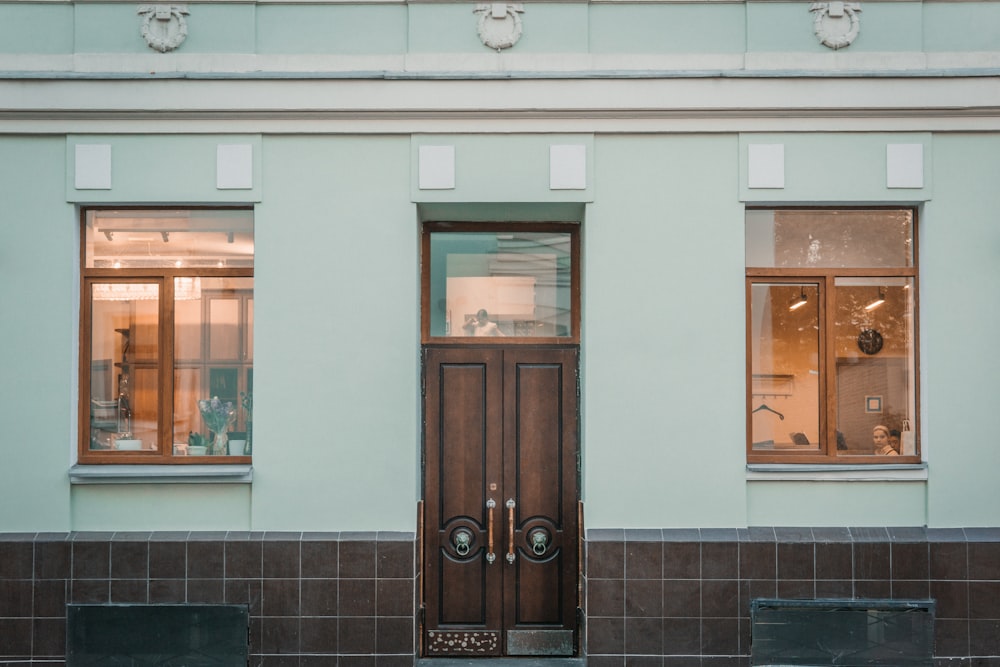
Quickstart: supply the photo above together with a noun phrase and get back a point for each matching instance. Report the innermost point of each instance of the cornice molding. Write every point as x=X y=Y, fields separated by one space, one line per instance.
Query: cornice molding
x=450 y=2
x=507 y=64
x=503 y=105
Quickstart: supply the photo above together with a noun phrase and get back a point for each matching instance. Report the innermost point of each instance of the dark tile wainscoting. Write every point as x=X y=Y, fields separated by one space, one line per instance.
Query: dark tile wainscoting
x=654 y=598
x=315 y=599
x=682 y=598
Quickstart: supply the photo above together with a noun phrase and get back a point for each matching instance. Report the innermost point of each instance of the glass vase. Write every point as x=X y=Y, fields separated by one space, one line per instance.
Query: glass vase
x=220 y=444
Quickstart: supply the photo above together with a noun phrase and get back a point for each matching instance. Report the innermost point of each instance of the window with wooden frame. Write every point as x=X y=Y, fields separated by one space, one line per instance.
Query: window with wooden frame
x=510 y=283
x=832 y=336
x=166 y=339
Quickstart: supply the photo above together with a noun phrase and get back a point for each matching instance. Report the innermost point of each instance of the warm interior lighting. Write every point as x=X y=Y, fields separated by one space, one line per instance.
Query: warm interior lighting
x=185 y=289
x=798 y=301
x=877 y=302
x=125 y=292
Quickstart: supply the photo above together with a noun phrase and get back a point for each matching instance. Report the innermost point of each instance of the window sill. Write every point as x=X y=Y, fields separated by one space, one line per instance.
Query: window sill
x=778 y=472
x=161 y=474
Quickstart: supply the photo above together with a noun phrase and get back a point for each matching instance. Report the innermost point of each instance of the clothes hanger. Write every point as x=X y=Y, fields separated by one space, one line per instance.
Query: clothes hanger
x=765 y=406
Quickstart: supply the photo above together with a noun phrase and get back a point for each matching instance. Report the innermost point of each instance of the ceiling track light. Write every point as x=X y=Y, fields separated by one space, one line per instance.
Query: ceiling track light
x=877 y=302
x=798 y=301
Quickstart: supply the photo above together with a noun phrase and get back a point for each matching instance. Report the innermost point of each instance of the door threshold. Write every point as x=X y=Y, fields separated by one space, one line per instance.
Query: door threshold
x=511 y=661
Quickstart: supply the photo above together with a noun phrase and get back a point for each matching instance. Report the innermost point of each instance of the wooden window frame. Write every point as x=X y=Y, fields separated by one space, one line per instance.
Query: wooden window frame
x=429 y=228
x=825 y=279
x=165 y=363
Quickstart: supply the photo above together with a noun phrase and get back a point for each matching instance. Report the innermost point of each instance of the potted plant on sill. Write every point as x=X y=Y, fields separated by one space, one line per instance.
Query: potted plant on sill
x=196 y=445
x=218 y=416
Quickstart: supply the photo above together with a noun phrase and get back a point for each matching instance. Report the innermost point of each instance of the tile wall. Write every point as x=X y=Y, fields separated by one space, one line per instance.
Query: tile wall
x=653 y=598
x=681 y=598
x=327 y=599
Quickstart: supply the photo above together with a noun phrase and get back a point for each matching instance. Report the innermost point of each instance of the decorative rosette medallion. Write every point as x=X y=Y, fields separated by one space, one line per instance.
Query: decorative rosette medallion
x=837 y=23
x=163 y=26
x=499 y=24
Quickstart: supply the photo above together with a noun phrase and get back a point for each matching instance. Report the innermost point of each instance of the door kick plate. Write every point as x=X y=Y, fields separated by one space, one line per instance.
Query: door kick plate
x=462 y=643
x=539 y=642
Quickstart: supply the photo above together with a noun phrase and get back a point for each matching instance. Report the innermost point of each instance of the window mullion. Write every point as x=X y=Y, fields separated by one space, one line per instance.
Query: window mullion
x=166 y=364
x=828 y=354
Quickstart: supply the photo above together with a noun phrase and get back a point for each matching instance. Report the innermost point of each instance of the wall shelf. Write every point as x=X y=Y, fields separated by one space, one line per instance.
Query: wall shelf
x=764 y=385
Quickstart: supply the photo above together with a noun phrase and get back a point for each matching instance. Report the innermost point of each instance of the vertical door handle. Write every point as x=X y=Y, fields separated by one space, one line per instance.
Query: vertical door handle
x=490 y=556
x=510 y=530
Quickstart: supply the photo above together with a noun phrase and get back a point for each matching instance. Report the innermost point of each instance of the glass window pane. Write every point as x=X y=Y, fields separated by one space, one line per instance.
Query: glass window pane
x=500 y=284
x=224 y=334
x=784 y=353
x=124 y=352
x=876 y=383
x=187 y=326
x=187 y=420
x=136 y=238
x=829 y=239
x=213 y=328
x=204 y=258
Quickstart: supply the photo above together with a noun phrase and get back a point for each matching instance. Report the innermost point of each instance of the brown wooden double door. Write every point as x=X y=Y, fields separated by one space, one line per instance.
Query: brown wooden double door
x=501 y=523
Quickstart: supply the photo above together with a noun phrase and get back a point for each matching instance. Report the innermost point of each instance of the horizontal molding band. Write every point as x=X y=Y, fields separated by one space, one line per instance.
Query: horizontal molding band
x=527 y=75
x=425 y=2
x=488 y=65
x=497 y=76
x=692 y=104
x=580 y=121
x=694 y=96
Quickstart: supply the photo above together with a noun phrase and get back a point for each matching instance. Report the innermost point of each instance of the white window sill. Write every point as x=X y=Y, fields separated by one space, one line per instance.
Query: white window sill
x=161 y=474
x=779 y=472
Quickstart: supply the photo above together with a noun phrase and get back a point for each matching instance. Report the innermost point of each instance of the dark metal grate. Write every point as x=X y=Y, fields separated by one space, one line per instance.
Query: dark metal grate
x=164 y=635
x=850 y=633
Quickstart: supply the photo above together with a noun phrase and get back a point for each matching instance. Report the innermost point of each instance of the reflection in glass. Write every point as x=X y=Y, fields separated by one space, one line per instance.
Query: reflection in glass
x=140 y=238
x=784 y=354
x=500 y=284
x=876 y=385
x=124 y=352
x=829 y=238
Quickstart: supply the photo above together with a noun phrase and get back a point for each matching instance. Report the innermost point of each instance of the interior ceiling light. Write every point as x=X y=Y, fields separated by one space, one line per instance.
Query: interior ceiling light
x=877 y=302
x=798 y=301
x=185 y=289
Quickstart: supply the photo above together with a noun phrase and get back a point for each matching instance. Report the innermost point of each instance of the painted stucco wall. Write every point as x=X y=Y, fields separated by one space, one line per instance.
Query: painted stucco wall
x=960 y=281
x=37 y=302
x=336 y=356
x=337 y=210
x=393 y=29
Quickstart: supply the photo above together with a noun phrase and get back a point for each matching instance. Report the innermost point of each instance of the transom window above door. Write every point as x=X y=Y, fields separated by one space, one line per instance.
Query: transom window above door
x=516 y=281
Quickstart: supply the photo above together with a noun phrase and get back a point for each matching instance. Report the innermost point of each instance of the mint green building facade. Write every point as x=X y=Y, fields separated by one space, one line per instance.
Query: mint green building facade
x=666 y=106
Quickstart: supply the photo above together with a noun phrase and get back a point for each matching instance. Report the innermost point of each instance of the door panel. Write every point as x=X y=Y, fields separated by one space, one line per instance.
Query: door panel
x=462 y=443
x=539 y=435
x=501 y=534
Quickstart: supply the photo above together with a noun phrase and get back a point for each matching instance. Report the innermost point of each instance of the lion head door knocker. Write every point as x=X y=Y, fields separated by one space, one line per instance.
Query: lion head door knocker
x=499 y=24
x=837 y=23
x=163 y=26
